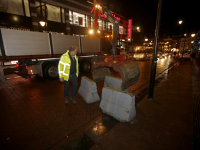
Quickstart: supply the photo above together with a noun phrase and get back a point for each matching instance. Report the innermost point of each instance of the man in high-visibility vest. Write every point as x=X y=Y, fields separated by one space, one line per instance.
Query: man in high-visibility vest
x=68 y=72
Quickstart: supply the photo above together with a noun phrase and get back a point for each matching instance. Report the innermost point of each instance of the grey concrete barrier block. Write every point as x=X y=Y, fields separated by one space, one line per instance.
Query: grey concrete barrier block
x=118 y=104
x=114 y=83
x=88 y=90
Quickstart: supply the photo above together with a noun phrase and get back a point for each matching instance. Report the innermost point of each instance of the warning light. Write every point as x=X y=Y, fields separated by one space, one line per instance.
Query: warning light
x=31 y=71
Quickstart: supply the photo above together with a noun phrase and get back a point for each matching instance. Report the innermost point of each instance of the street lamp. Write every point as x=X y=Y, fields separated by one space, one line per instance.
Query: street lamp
x=42 y=23
x=91 y=31
x=181 y=22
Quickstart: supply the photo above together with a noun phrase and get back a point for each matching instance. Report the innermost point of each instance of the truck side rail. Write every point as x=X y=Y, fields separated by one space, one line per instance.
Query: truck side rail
x=16 y=43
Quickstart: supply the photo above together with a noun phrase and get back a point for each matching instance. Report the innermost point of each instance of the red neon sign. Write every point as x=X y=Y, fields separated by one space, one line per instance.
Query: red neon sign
x=129 y=29
x=92 y=10
x=103 y=16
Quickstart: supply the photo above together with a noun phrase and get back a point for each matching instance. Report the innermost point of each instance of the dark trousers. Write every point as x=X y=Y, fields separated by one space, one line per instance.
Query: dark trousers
x=73 y=79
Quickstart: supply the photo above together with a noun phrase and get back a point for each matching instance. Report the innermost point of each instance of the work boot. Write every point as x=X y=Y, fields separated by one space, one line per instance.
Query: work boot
x=73 y=100
x=66 y=99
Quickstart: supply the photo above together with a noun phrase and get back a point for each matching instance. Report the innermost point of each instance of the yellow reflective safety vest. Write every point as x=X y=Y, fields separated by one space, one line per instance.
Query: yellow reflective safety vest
x=64 y=66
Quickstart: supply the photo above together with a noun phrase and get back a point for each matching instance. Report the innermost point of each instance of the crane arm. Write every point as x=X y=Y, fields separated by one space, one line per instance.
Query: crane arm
x=104 y=10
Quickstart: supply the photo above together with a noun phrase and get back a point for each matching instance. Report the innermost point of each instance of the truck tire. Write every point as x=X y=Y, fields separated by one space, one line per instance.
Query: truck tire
x=51 y=71
x=85 y=66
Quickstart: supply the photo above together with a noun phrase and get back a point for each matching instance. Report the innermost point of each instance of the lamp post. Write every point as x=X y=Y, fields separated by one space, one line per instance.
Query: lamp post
x=181 y=22
x=154 y=60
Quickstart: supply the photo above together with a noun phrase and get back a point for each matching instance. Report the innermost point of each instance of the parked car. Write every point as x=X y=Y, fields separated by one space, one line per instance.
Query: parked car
x=140 y=55
x=186 y=55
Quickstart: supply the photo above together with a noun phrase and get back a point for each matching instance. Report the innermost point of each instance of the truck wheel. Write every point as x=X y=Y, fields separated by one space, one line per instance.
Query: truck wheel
x=85 y=66
x=51 y=71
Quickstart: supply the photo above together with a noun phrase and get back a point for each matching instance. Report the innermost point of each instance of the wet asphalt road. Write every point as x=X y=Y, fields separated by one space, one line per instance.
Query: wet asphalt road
x=163 y=68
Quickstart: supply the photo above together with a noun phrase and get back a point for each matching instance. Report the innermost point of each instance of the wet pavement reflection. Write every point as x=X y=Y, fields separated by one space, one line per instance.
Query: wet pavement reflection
x=140 y=89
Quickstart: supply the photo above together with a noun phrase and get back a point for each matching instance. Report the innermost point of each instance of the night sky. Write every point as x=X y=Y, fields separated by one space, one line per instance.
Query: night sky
x=144 y=14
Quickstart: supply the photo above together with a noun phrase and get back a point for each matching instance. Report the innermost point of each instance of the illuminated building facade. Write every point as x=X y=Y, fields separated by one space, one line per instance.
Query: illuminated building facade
x=74 y=17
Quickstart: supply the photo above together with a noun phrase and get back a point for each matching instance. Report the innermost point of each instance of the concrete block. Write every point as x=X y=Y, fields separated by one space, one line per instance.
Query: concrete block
x=88 y=90
x=118 y=104
x=114 y=83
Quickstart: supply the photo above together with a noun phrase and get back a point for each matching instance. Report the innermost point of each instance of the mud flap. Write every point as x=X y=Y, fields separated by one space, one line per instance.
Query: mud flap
x=129 y=72
x=100 y=73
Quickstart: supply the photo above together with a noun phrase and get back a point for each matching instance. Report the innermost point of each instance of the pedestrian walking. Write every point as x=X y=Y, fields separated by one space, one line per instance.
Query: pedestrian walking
x=68 y=72
x=192 y=56
x=175 y=54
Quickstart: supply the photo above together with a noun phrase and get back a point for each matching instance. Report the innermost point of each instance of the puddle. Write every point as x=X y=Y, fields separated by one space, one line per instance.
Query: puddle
x=93 y=135
x=81 y=143
x=100 y=129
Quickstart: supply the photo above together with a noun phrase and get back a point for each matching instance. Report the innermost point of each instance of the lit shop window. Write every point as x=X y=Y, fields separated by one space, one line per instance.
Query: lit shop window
x=92 y=22
x=12 y=6
x=63 y=15
x=88 y=21
x=104 y=25
x=78 y=19
x=110 y=27
x=53 y=13
x=26 y=5
x=70 y=17
x=121 y=30
x=100 y=24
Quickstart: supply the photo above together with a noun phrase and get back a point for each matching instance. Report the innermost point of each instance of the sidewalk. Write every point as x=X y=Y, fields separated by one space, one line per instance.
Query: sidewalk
x=164 y=123
x=34 y=116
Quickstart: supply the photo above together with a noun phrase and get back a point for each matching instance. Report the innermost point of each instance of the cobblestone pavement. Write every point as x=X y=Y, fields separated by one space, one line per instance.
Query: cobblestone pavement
x=169 y=121
x=34 y=115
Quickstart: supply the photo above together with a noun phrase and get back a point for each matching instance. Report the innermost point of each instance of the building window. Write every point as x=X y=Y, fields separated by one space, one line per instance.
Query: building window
x=63 y=15
x=78 y=19
x=104 y=25
x=110 y=27
x=88 y=21
x=124 y=31
x=100 y=24
x=70 y=17
x=26 y=5
x=92 y=22
x=121 y=30
x=12 y=6
x=53 y=13
x=37 y=3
